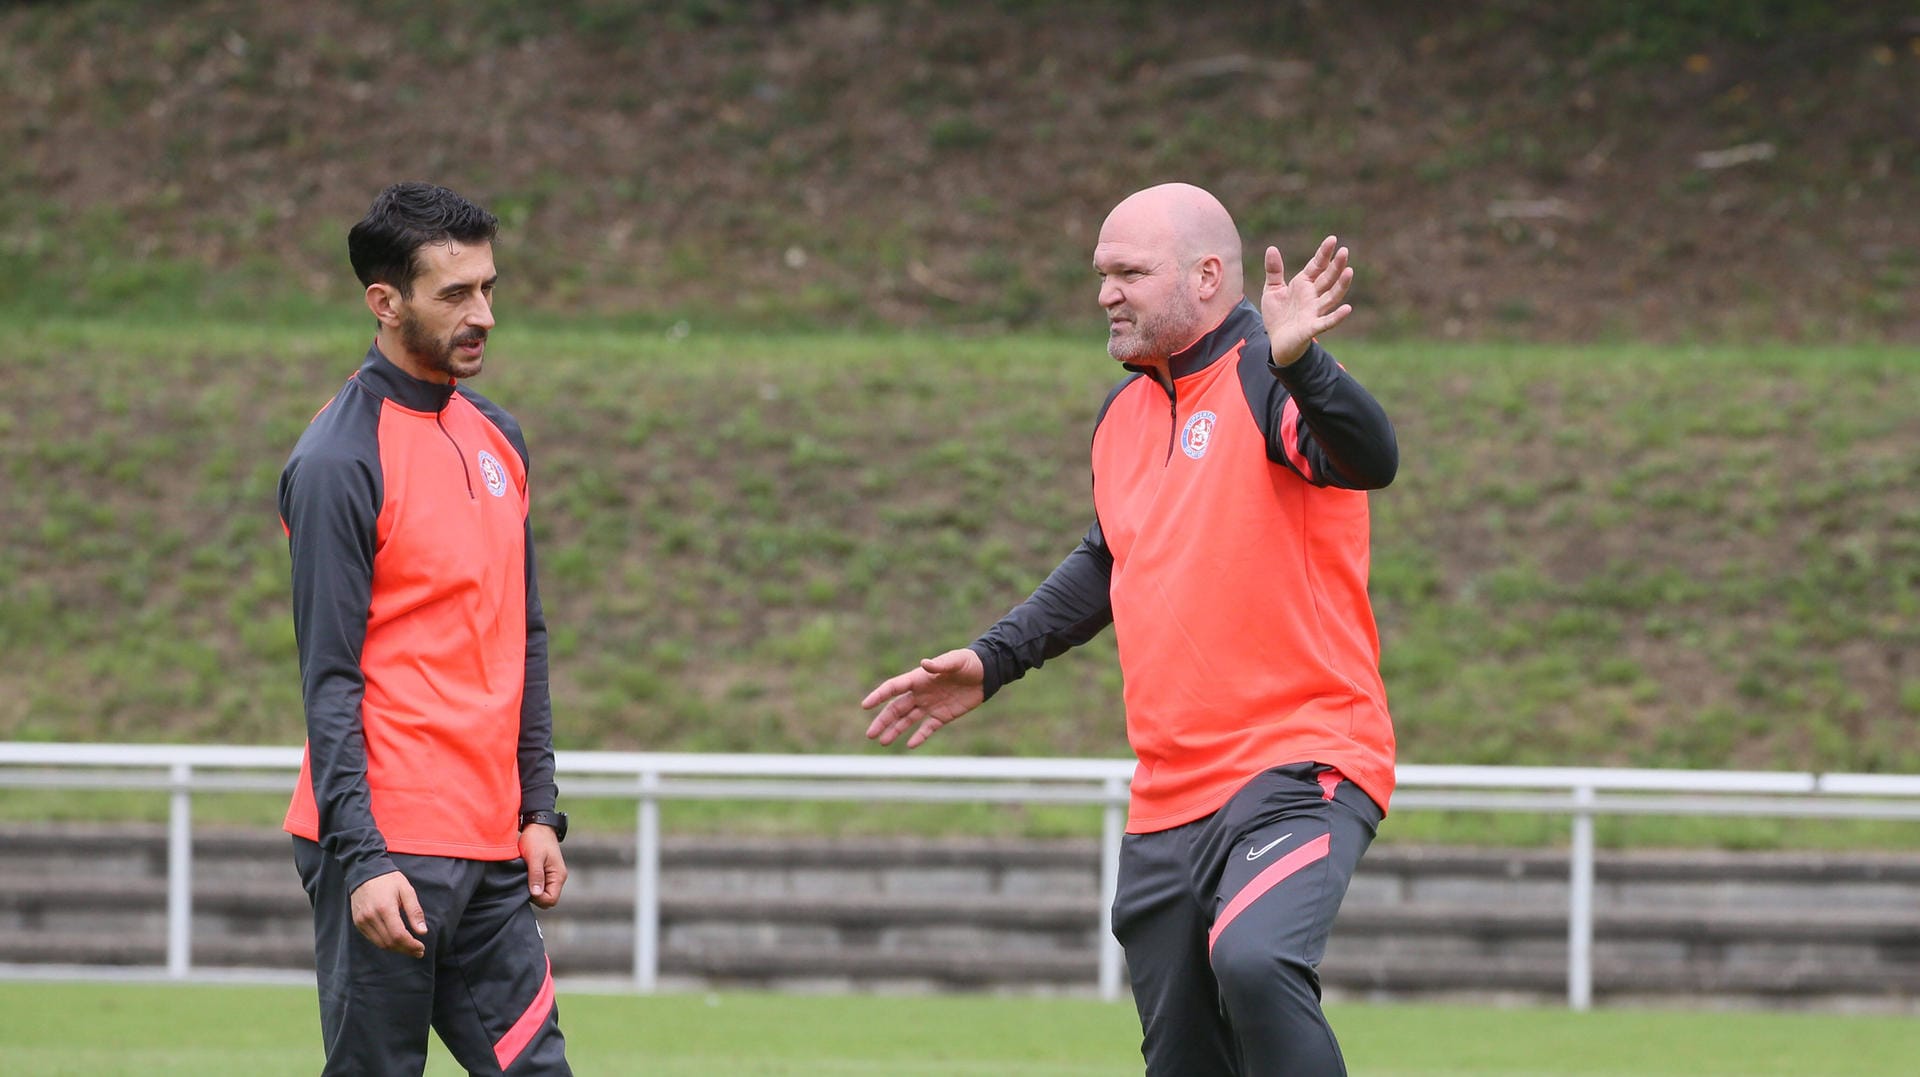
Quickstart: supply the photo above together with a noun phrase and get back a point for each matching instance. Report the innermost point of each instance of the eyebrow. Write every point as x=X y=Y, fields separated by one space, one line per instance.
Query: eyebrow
x=460 y=286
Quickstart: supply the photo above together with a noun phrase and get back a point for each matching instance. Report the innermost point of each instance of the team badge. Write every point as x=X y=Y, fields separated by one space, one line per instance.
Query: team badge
x=1198 y=434
x=493 y=473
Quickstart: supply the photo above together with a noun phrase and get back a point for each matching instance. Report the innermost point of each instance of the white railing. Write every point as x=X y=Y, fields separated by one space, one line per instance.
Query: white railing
x=649 y=777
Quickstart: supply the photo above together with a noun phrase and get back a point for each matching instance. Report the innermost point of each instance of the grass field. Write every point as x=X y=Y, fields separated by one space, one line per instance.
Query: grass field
x=103 y=1031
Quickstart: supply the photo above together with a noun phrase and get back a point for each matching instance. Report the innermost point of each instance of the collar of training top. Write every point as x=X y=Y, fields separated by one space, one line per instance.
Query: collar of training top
x=381 y=375
x=1242 y=322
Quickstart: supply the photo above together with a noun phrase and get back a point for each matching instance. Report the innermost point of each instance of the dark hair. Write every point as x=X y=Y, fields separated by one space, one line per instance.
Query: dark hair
x=385 y=245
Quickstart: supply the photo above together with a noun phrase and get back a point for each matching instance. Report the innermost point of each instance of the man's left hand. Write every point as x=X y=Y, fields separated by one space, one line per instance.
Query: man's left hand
x=1300 y=309
x=546 y=869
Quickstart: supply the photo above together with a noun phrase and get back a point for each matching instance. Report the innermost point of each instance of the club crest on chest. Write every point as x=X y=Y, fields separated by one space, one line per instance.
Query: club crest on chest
x=1197 y=435
x=494 y=475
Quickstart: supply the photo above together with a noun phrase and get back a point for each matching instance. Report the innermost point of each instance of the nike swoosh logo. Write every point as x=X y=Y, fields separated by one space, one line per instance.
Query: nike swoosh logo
x=1255 y=854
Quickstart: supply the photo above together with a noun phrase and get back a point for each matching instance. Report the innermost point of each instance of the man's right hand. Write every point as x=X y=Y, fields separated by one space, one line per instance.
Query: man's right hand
x=383 y=908
x=938 y=691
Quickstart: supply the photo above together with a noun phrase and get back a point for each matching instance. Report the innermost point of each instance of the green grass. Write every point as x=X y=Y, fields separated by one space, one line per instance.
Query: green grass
x=101 y=1031
x=1623 y=554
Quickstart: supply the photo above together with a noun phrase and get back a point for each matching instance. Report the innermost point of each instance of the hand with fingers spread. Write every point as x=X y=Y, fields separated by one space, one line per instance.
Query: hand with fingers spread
x=940 y=690
x=387 y=912
x=1300 y=309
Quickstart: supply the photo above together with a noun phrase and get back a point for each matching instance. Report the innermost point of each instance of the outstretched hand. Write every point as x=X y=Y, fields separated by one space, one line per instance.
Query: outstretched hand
x=940 y=690
x=1300 y=309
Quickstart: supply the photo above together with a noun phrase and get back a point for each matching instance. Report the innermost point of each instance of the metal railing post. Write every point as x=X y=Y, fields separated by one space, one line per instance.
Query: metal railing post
x=180 y=872
x=1113 y=826
x=1580 y=904
x=646 y=882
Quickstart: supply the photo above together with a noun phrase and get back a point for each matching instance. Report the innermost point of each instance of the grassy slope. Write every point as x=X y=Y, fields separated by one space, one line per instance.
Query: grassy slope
x=104 y=1031
x=934 y=162
x=1605 y=555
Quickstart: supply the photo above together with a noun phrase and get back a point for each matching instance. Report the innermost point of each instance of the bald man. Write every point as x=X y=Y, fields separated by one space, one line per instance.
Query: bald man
x=1229 y=551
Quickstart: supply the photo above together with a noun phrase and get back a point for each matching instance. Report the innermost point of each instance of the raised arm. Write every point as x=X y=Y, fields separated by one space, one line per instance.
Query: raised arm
x=1318 y=420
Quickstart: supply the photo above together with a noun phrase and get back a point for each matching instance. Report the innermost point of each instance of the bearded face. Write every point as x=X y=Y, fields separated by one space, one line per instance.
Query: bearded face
x=1145 y=327
x=441 y=320
x=458 y=355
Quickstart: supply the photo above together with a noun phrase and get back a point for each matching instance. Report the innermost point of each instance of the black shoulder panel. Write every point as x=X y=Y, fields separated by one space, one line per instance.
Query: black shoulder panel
x=499 y=417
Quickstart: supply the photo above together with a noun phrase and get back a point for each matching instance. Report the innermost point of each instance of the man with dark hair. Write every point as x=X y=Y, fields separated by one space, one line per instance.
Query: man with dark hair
x=1229 y=551
x=424 y=818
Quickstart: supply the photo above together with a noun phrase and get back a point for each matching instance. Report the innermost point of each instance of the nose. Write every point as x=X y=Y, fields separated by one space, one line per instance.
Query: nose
x=482 y=316
x=1110 y=296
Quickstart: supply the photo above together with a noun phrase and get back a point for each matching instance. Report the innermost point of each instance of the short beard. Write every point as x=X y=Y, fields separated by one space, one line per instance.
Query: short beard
x=1155 y=339
x=438 y=355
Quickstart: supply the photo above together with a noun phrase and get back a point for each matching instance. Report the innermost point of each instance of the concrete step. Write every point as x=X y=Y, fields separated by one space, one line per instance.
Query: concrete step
x=938 y=965
x=31 y=897
x=799 y=912
x=1891 y=926
x=1645 y=865
x=861 y=913
x=257 y=899
x=1402 y=975
x=716 y=865
x=1414 y=974
x=146 y=893
x=99 y=843
x=150 y=949
x=941 y=967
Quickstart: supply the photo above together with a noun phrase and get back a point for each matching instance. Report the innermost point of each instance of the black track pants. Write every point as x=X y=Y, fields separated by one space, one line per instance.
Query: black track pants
x=484 y=985
x=1224 y=921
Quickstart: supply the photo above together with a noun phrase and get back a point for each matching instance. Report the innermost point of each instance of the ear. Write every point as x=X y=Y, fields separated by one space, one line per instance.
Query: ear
x=385 y=302
x=1209 y=272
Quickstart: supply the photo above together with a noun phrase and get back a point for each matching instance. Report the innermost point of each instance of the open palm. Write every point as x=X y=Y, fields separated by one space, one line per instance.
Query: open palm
x=1297 y=310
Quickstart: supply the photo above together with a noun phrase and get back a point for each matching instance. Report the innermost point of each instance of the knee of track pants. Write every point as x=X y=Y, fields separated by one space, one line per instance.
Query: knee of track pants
x=1252 y=977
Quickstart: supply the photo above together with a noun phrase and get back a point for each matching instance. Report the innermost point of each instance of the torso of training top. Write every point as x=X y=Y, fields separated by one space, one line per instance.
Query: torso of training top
x=422 y=645
x=1235 y=556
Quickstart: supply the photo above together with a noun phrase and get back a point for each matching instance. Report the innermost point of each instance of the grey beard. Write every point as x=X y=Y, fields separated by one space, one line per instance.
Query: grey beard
x=1156 y=340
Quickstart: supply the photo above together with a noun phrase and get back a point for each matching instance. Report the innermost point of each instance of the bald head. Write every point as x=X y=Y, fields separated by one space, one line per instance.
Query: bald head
x=1190 y=221
x=1169 y=261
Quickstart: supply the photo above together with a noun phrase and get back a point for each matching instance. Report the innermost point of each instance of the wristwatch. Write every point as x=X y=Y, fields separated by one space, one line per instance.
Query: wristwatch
x=555 y=819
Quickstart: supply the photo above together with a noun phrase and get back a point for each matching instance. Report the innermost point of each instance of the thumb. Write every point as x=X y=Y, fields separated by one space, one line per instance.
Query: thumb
x=410 y=904
x=1276 y=267
x=948 y=663
x=536 y=874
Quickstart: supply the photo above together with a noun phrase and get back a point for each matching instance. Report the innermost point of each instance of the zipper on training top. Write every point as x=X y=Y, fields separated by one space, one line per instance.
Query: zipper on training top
x=457 y=451
x=1173 y=419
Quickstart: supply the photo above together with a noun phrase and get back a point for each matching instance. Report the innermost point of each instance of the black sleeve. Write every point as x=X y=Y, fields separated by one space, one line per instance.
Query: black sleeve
x=538 y=791
x=1069 y=608
x=329 y=505
x=1343 y=437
